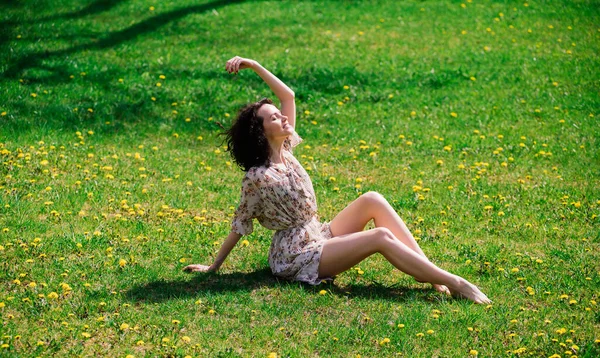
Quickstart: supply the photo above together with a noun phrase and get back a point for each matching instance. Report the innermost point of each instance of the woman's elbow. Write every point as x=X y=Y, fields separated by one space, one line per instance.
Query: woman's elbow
x=289 y=96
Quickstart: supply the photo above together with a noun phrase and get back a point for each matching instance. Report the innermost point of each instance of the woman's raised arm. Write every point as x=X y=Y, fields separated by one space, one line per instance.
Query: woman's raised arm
x=281 y=90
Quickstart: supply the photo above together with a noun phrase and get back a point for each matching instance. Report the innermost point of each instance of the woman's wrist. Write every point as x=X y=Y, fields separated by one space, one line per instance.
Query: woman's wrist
x=215 y=266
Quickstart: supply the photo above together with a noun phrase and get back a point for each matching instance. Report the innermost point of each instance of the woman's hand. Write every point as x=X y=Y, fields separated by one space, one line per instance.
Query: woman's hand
x=200 y=268
x=238 y=63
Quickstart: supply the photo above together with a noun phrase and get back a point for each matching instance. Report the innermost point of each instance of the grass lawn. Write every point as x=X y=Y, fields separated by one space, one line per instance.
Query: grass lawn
x=478 y=121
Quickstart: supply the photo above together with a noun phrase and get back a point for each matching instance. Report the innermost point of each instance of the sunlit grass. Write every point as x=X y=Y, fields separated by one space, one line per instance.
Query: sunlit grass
x=477 y=121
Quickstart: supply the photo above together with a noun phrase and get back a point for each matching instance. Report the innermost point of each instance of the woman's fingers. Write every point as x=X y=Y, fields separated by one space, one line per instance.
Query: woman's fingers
x=196 y=268
x=235 y=64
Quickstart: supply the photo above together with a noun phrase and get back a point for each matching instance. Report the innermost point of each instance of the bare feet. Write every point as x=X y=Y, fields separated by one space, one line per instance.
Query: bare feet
x=439 y=288
x=197 y=268
x=469 y=291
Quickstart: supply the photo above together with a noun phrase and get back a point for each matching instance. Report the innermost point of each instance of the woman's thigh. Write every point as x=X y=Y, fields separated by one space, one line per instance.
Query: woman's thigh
x=341 y=253
x=355 y=216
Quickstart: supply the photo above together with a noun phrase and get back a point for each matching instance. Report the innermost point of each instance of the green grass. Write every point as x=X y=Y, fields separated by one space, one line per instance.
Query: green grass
x=479 y=124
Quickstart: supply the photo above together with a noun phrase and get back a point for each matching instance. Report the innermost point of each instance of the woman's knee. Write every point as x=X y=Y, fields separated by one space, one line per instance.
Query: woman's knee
x=373 y=199
x=383 y=236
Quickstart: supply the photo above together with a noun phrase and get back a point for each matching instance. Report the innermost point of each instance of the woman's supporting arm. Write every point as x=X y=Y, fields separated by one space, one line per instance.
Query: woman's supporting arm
x=226 y=248
x=232 y=239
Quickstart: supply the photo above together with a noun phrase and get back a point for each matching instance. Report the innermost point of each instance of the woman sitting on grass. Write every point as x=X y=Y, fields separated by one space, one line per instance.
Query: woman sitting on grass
x=279 y=193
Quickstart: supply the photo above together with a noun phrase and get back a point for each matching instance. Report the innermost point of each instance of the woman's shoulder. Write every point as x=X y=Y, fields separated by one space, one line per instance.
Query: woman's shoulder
x=257 y=175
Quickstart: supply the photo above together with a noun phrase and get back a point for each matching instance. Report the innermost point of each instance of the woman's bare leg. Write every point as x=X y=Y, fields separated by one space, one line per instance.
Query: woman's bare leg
x=343 y=252
x=372 y=205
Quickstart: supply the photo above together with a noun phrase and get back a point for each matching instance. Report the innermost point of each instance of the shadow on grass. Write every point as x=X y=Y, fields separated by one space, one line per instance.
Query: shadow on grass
x=215 y=283
x=34 y=59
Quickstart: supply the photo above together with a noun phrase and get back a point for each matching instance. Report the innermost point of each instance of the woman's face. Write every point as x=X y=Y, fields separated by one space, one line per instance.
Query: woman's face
x=275 y=124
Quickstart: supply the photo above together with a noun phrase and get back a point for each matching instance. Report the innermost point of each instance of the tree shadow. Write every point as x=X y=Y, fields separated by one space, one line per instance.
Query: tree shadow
x=214 y=283
x=94 y=8
x=115 y=38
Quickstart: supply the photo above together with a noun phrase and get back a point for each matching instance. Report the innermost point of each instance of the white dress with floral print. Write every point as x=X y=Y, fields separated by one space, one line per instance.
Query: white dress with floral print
x=282 y=198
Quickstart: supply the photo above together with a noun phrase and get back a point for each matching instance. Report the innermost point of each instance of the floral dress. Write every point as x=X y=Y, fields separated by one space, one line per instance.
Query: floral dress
x=282 y=198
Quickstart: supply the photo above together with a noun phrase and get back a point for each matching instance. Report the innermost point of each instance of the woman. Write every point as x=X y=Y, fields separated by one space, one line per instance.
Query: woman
x=279 y=193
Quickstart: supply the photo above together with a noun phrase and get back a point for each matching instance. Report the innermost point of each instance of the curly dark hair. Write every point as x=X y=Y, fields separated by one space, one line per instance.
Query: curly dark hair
x=246 y=140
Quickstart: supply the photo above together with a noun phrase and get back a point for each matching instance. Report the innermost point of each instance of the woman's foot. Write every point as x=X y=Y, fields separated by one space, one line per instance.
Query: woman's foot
x=439 y=288
x=469 y=291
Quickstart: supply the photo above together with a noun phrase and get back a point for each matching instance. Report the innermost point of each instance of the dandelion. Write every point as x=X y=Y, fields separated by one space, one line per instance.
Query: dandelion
x=473 y=352
x=322 y=292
